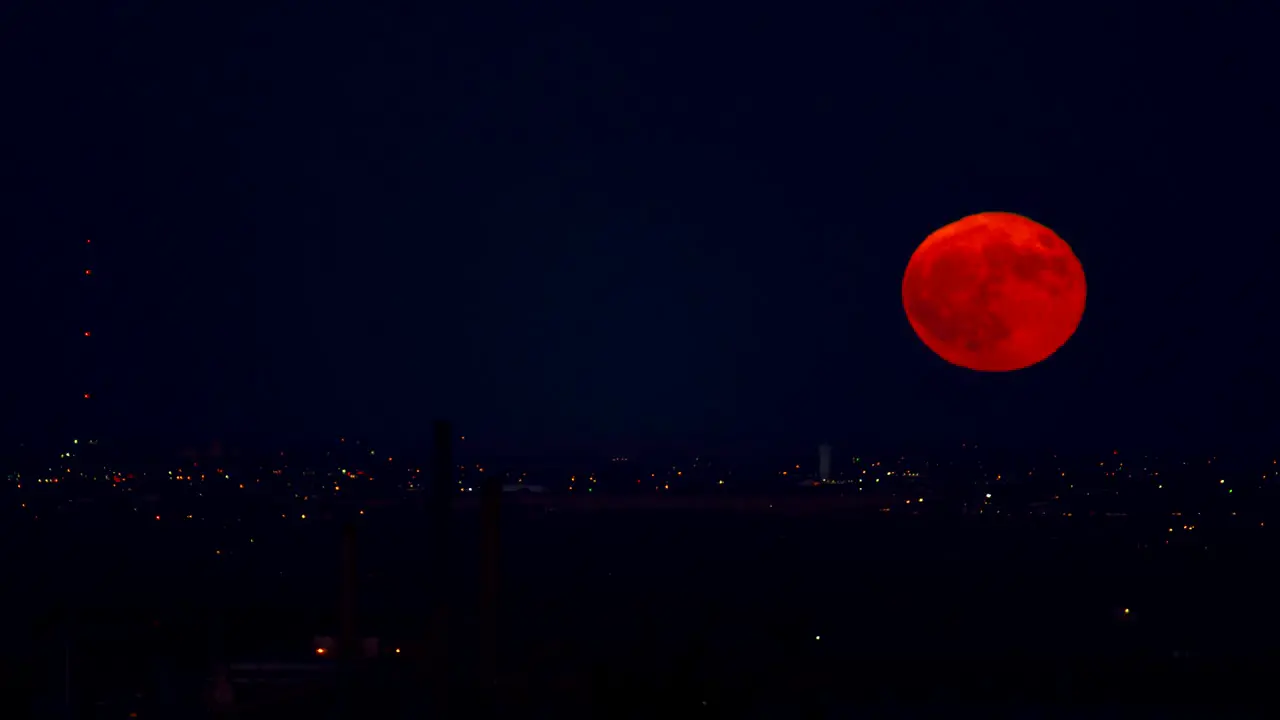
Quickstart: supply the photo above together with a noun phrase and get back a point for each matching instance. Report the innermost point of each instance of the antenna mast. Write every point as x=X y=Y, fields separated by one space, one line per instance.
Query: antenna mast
x=87 y=380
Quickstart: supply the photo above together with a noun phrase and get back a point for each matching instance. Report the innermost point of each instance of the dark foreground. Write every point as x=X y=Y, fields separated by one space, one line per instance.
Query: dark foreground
x=633 y=613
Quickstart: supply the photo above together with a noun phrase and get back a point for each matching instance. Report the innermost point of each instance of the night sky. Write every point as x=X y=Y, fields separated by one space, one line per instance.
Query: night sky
x=614 y=232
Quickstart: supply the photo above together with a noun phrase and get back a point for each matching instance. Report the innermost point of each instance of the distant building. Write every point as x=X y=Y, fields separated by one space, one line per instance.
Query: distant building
x=824 y=463
x=522 y=487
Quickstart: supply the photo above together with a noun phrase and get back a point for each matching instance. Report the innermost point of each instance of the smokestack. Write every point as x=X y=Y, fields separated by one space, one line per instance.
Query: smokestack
x=439 y=498
x=490 y=572
x=347 y=604
x=824 y=463
x=347 y=642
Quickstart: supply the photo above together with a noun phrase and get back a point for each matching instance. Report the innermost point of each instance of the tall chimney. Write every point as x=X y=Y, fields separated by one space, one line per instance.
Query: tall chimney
x=347 y=641
x=490 y=574
x=347 y=606
x=439 y=498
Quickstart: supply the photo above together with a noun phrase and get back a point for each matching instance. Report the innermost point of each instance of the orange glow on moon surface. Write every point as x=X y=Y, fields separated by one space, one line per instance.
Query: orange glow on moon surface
x=994 y=292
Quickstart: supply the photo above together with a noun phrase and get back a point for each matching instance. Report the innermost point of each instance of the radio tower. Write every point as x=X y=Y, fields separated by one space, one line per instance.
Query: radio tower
x=86 y=418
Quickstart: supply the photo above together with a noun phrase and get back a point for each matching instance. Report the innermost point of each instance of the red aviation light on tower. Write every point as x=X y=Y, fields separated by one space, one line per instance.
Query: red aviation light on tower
x=88 y=381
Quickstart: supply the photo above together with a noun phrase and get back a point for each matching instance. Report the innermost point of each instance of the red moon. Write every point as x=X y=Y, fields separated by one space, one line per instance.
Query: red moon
x=994 y=292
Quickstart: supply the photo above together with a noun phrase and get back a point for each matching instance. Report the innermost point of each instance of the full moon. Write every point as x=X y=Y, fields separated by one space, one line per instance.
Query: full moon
x=994 y=292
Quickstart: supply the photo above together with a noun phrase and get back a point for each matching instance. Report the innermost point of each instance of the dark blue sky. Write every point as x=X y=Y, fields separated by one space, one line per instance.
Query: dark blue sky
x=621 y=232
